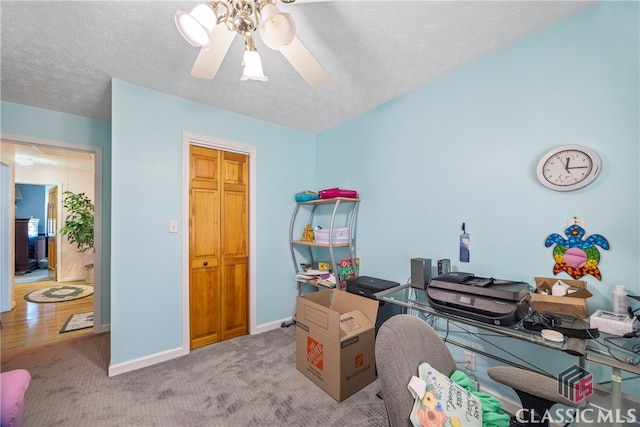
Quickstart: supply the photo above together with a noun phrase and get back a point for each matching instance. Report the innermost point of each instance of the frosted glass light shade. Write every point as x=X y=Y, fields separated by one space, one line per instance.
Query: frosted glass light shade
x=252 y=67
x=277 y=29
x=196 y=25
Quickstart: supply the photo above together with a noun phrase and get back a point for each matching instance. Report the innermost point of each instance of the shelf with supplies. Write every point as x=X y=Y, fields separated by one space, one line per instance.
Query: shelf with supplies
x=321 y=229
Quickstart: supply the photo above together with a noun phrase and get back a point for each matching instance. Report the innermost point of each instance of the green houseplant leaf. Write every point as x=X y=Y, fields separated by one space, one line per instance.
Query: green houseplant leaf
x=78 y=227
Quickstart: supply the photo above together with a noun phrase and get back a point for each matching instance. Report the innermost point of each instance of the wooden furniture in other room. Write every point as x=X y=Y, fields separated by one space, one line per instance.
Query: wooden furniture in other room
x=22 y=245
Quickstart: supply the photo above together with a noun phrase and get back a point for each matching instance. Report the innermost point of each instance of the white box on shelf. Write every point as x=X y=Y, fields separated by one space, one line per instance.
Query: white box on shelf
x=340 y=235
x=611 y=323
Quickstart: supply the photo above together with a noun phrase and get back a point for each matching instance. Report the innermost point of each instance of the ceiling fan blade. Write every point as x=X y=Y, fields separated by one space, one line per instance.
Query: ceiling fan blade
x=208 y=61
x=304 y=63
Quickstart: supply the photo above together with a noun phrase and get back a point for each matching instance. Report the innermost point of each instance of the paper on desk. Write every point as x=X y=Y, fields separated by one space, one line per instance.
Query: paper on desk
x=324 y=279
x=315 y=274
x=331 y=280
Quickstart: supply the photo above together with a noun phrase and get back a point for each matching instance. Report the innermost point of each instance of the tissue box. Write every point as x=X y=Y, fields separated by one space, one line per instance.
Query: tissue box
x=339 y=236
x=574 y=304
x=611 y=323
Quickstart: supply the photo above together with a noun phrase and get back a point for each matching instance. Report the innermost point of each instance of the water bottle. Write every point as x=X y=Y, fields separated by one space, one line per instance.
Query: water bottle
x=620 y=300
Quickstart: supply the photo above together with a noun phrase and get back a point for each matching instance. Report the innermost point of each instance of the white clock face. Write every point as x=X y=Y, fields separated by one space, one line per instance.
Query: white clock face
x=568 y=168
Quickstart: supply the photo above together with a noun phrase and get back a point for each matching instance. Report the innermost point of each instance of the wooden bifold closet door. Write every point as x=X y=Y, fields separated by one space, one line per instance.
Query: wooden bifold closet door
x=218 y=245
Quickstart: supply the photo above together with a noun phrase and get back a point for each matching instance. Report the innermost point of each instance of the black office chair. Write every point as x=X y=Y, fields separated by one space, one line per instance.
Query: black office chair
x=405 y=341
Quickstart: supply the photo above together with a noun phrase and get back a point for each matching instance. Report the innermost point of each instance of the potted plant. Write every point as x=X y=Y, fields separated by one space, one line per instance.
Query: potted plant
x=78 y=226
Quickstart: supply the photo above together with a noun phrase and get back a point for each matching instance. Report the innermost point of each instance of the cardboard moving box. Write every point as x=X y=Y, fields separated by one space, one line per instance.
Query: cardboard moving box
x=335 y=340
x=574 y=303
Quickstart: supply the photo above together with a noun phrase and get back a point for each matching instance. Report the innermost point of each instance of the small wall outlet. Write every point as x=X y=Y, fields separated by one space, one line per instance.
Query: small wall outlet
x=469 y=361
x=576 y=221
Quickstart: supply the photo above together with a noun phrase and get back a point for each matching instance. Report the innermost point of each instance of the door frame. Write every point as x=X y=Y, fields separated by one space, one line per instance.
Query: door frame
x=98 y=327
x=7 y=299
x=189 y=139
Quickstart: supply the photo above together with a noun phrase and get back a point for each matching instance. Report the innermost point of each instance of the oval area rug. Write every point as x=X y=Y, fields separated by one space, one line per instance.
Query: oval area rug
x=59 y=293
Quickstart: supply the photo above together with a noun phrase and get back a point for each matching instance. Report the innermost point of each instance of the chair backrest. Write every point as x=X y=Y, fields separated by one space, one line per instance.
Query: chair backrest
x=402 y=344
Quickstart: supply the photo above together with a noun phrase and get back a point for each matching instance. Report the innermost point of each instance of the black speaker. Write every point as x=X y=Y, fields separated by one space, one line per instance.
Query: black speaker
x=420 y=272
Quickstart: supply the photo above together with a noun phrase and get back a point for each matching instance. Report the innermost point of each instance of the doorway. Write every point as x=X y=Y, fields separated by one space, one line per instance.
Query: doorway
x=189 y=140
x=219 y=248
x=46 y=156
x=32 y=254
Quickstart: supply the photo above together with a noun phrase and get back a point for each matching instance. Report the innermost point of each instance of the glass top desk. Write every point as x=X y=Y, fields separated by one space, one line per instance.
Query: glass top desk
x=591 y=350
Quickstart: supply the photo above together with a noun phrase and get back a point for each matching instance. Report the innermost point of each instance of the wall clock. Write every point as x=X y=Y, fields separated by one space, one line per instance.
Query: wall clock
x=568 y=167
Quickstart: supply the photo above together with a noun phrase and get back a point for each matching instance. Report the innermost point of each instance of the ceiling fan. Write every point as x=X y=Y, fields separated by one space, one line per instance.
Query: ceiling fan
x=212 y=26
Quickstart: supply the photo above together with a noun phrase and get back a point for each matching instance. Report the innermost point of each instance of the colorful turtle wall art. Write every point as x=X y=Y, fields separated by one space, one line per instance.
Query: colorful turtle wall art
x=576 y=256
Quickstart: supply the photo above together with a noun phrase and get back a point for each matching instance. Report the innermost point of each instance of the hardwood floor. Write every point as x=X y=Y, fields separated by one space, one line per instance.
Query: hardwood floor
x=30 y=324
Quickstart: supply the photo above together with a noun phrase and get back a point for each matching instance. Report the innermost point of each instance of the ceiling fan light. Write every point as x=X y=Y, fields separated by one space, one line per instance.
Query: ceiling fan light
x=268 y=10
x=277 y=29
x=252 y=67
x=196 y=25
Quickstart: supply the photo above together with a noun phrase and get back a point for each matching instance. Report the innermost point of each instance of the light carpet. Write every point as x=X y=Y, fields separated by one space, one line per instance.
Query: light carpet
x=245 y=381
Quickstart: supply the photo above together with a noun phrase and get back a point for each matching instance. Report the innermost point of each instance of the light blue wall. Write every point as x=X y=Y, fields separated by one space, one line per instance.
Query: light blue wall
x=18 y=119
x=465 y=147
x=147 y=193
x=55 y=126
x=33 y=203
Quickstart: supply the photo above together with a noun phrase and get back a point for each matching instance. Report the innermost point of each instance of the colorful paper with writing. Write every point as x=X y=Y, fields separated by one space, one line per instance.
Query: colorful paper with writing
x=444 y=403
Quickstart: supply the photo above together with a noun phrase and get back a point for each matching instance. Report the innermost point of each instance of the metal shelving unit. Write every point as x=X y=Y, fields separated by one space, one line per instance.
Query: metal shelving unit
x=298 y=246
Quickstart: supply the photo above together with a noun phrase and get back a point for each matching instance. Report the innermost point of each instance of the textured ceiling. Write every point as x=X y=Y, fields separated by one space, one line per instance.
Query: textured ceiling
x=63 y=55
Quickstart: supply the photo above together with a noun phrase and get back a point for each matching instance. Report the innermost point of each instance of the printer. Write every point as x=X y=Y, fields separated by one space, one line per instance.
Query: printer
x=488 y=300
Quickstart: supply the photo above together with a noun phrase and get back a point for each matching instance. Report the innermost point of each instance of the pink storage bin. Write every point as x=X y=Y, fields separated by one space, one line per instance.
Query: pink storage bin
x=330 y=193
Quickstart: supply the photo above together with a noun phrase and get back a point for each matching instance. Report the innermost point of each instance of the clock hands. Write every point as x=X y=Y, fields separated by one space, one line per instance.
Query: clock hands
x=568 y=169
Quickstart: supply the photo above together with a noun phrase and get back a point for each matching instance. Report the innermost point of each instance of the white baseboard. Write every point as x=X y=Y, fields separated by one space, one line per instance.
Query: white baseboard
x=72 y=279
x=265 y=327
x=143 y=362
